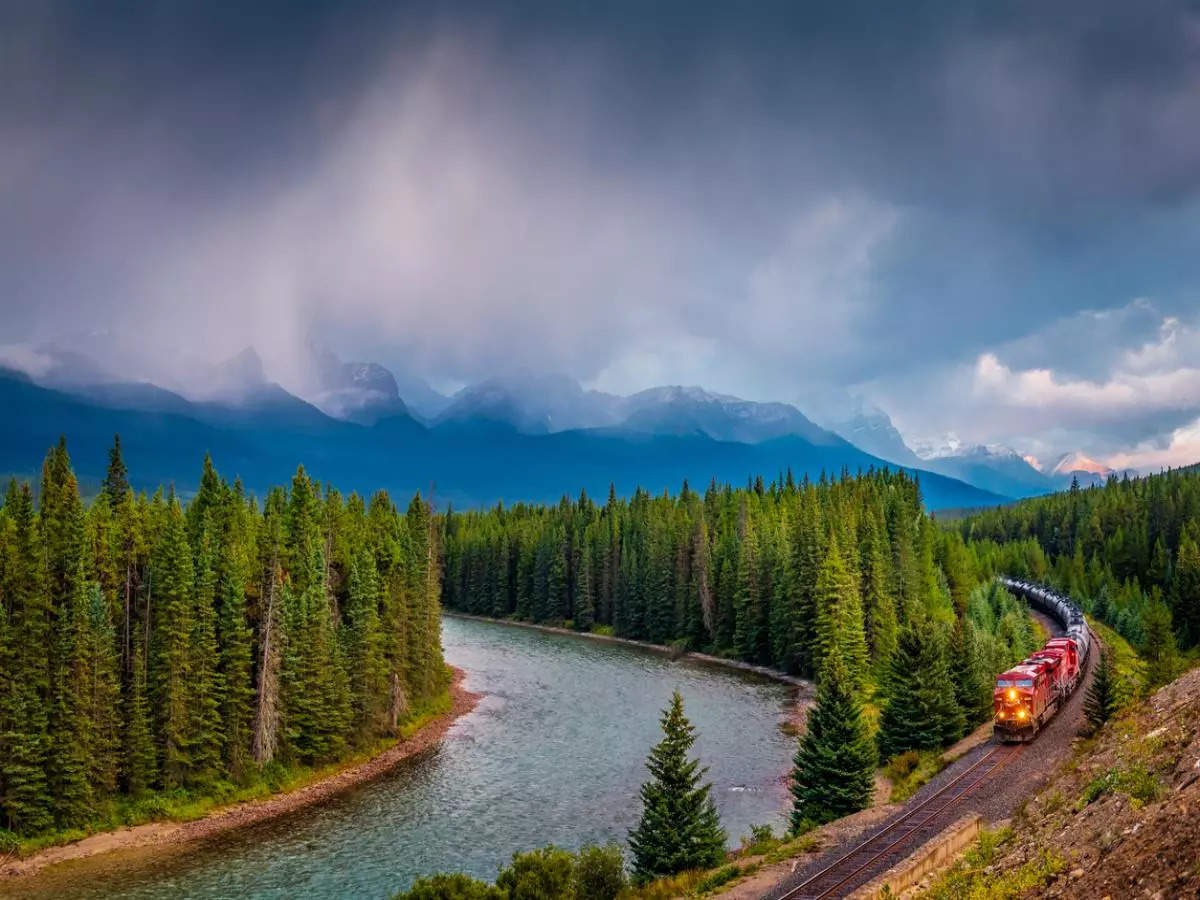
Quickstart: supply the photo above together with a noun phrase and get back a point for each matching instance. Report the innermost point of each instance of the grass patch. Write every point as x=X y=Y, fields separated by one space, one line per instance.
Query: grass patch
x=909 y=771
x=188 y=805
x=665 y=888
x=719 y=878
x=971 y=878
x=1137 y=783
x=605 y=630
x=805 y=843
x=760 y=840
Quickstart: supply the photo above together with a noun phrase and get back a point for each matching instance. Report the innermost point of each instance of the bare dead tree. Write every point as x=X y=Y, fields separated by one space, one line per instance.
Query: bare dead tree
x=266 y=713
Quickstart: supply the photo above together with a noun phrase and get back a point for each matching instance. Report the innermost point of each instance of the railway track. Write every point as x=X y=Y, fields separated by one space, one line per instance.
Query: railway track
x=899 y=838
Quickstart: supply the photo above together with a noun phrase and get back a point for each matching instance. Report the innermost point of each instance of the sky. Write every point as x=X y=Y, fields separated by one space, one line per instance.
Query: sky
x=983 y=218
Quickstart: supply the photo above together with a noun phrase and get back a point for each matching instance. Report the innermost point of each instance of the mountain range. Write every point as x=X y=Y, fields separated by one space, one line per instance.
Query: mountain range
x=519 y=438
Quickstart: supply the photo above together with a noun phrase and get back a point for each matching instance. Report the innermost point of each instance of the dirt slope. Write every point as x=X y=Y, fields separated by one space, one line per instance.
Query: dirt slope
x=1123 y=817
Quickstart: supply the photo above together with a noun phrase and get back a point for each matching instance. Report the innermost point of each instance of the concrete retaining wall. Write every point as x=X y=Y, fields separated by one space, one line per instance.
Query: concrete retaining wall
x=934 y=854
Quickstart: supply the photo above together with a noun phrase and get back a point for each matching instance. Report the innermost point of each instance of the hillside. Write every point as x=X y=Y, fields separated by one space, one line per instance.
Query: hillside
x=265 y=433
x=1119 y=820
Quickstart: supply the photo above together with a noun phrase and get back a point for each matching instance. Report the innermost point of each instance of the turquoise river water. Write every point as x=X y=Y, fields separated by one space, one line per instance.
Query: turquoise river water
x=553 y=753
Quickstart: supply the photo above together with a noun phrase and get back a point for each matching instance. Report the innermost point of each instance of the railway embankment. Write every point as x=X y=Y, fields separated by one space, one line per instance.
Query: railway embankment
x=1118 y=819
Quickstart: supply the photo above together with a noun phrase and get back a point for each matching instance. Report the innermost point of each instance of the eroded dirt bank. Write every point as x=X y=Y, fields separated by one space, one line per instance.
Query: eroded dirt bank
x=227 y=818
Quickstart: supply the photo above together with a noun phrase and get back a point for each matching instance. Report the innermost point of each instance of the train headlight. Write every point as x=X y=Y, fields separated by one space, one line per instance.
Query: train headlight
x=1012 y=695
x=1020 y=714
x=1000 y=715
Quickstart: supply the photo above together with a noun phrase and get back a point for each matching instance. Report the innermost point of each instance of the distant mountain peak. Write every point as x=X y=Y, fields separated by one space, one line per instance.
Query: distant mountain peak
x=1077 y=461
x=362 y=392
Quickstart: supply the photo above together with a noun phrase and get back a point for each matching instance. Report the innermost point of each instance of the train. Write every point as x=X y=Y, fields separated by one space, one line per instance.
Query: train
x=1028 y=695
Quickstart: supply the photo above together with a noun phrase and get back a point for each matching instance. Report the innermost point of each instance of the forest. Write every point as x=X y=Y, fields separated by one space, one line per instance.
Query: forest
x=154 y=651
x=1128 y=551
x=785 y=575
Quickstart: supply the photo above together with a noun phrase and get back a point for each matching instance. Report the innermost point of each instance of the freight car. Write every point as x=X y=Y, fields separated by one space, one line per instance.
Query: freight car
x=1029 y=694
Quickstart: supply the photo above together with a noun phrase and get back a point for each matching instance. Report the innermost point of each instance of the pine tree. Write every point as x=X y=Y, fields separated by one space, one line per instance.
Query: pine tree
x=839 y=612
x=1100 y=701
x=24 y=737
x=172 y=657
x=1158 y=646
x=139 y=765
x=834 y=771
x=208 y=687
x=1185 y=586
x=679 y=828
x=116 y=481
x=920 y=712
x=363 y=642
x=971 y=677
x=234 y=662
x=585 y=599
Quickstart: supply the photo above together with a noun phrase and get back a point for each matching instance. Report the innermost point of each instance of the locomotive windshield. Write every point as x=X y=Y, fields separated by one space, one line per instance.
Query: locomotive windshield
x=1004 y=682
x=1024 y=682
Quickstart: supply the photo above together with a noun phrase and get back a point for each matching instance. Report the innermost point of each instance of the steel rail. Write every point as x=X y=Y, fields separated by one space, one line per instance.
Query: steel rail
x=1006 y=753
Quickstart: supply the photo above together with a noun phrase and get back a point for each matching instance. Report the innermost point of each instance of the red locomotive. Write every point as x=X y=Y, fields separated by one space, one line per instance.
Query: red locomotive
x=1029 y=694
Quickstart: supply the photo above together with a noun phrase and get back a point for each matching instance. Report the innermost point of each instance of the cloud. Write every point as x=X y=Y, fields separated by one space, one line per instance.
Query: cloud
x=1103 y=380
x=947 y=212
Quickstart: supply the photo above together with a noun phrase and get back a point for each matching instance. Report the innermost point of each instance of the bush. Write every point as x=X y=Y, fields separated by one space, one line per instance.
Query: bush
x=760 y=840
x=450 y=887
x=9 y=843
x=899 y=767
x=153 y=808
x=545 y=874
x=599 y=872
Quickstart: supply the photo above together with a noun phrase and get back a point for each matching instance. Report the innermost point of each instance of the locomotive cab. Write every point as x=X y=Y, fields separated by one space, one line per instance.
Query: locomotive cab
x=1020 y=700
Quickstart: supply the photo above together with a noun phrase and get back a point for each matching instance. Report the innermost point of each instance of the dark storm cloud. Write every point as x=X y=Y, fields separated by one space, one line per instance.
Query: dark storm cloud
x=768 y=200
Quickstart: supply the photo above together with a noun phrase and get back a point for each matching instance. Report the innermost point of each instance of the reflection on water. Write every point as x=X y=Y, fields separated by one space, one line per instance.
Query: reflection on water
x=553 y=753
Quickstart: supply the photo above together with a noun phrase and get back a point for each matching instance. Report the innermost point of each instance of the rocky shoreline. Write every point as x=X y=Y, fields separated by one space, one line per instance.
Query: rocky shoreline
x=161 y=834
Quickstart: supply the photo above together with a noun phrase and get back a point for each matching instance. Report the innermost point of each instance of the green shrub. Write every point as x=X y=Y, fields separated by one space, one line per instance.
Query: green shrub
x=9 y=843
x=450 y=887
x=760 y=840
x=599 y=872
x=900 y=767
x=545 y=874
x=152 y=808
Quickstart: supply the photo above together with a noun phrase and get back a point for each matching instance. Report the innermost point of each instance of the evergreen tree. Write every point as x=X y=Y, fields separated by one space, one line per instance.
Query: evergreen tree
x=679 y=828
x=234 y=662
x=1158 y=646
x=116 y=481
x=24 y=737
x=1100 y=701
x=920 y=711
x=363 y=641
x=834 y=771
x=139 y=764
x=1185 y=585
x=172 y=657
x=840 y=617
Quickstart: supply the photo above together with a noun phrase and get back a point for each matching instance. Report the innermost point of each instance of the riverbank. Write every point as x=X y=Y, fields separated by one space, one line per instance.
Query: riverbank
x=806 y=687
x=162 y=834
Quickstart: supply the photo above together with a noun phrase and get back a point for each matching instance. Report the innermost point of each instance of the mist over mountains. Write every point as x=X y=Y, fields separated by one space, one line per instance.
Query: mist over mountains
x=515 y=437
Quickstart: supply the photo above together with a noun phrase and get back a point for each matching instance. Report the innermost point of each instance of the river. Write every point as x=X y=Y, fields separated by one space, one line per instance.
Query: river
x=554 y=752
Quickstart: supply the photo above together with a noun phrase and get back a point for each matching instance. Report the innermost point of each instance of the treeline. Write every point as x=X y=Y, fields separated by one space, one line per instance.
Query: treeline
x=151 y=645
x=1129 y=551
x=781 y=574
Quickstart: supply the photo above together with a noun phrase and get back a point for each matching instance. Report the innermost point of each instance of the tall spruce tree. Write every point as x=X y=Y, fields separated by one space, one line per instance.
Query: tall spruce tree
x=1158 y=645
x=679 y=828
x=116 y=480
x=920 y=711
x=834 y=772
x=1100 y=702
